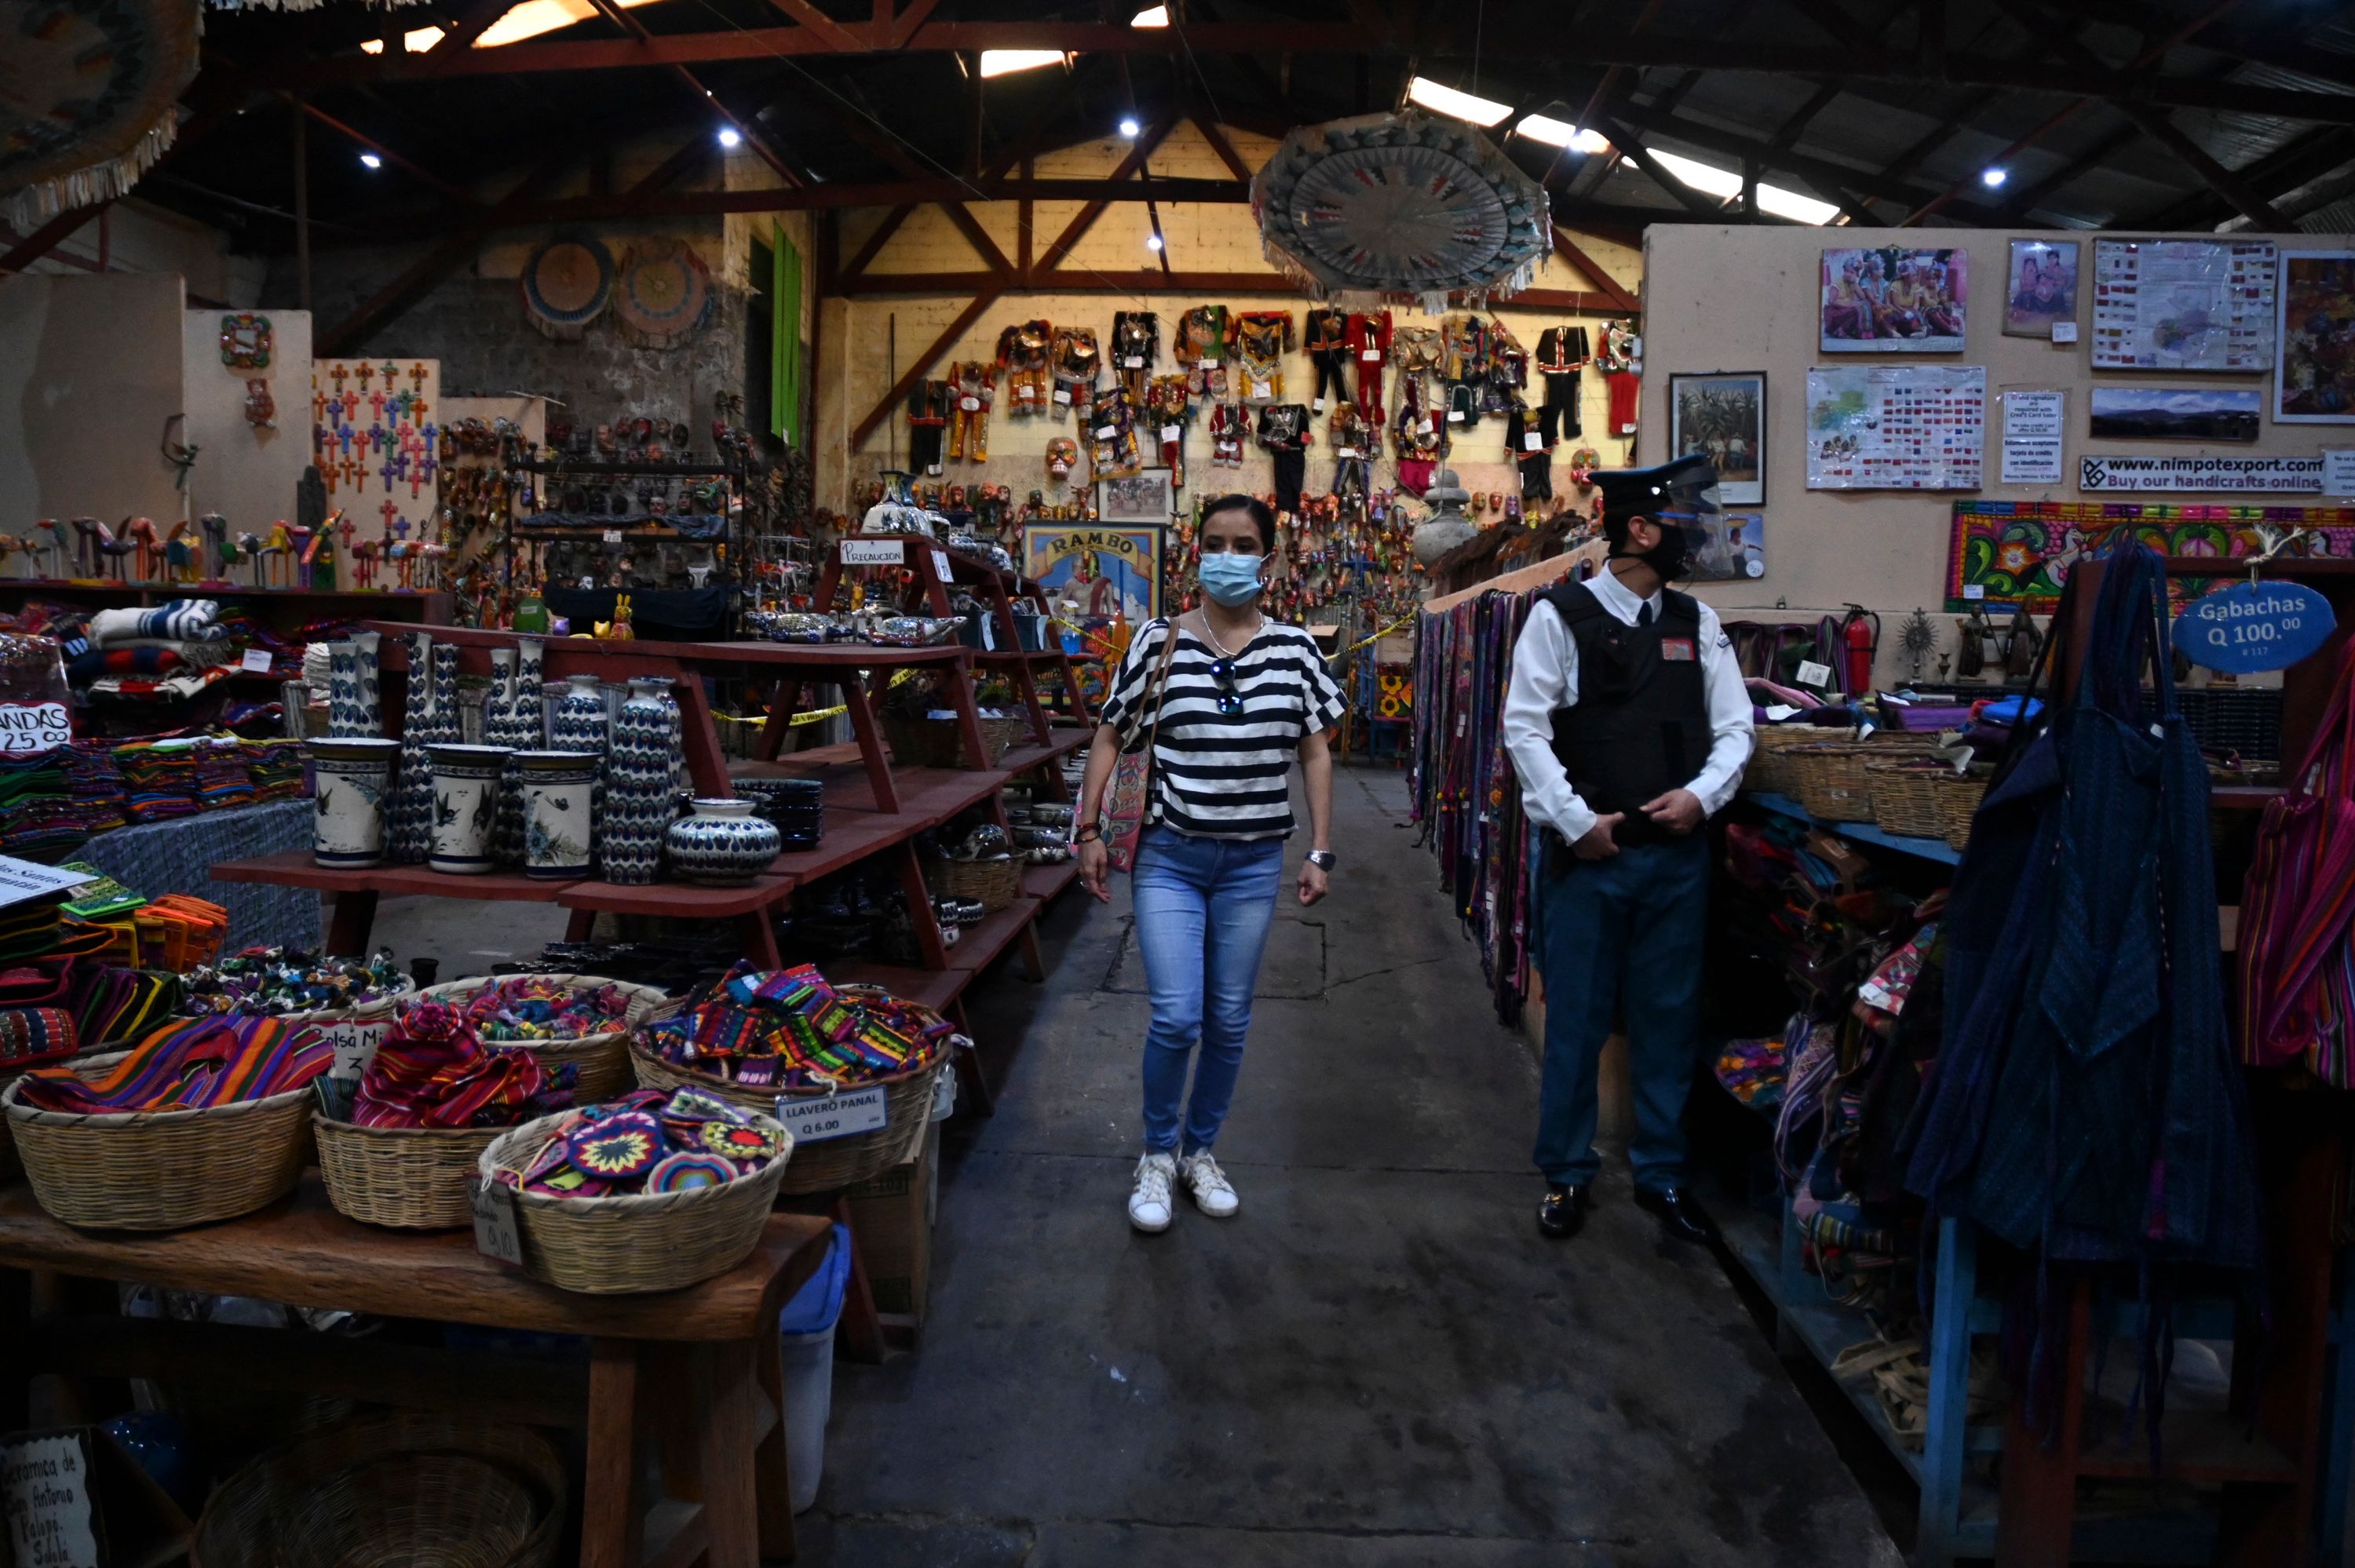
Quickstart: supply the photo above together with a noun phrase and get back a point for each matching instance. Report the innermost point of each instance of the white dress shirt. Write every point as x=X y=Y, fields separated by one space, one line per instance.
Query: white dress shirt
x=1545 y=679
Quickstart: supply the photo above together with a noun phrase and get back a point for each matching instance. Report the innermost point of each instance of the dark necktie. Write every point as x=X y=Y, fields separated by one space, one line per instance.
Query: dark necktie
x=1644 y=614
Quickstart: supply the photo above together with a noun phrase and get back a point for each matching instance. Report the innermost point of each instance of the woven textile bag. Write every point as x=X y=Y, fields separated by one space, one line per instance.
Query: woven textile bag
x=1130 y=797
x=2297 y=951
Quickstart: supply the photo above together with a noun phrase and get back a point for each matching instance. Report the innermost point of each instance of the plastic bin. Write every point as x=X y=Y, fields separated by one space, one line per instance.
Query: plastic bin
x=806 y=1328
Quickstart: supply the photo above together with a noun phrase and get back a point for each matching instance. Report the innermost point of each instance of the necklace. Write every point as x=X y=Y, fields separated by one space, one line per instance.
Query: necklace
x=1222 y=647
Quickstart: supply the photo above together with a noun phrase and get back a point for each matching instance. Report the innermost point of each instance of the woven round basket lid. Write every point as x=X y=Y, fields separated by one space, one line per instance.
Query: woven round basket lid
x=567 y=285
x=85 y=99
x=1400 y=206
x=664 y=294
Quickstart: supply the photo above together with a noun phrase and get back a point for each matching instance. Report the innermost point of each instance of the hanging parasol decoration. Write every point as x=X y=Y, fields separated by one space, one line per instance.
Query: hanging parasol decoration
x=664 y=294
x=567 y=285
x=1399 y=209
x=88 y=99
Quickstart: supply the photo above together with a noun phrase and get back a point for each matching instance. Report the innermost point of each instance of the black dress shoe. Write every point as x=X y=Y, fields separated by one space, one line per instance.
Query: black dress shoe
x=1681 y=1215
x=1563 y=1211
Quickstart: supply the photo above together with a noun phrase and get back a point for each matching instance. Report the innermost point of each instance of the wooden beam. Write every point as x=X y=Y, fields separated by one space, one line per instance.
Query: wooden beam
x=2224 y=181
x=474 y=23
x=881 y=285
x=904 y=25
x=46 y=237
x=1085 y=219
x=977 y=237
x=874 y=243
x=1624 y=139
x=698 y=148
x=457 y=194
x=2287 y=168
x=1612 y=288
x=842 y=39
x=1023 y=226
x=925 y=360
x=1225 y=149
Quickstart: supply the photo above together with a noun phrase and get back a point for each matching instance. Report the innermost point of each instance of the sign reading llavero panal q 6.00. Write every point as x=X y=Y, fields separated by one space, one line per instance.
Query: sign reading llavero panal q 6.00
x=2253 y=626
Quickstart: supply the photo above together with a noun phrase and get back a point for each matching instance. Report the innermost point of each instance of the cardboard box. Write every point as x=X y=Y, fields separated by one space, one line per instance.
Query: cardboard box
x=891 y=1216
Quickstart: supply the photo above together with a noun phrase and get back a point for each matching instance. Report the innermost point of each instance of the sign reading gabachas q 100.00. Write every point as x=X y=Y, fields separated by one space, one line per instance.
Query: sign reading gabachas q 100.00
x=2253 y=626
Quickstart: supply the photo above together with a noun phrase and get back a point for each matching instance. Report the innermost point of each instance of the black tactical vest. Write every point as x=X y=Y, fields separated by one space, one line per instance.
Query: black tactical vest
x=1640 y=725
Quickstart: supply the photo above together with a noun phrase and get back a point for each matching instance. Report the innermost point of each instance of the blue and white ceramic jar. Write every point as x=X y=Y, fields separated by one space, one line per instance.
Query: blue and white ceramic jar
x=724 y=844
x=466 y=806
x=638 y=793
x=559 y=830
x=432 y=720
x=579 y=720
x=512 y=718
x=352 y=778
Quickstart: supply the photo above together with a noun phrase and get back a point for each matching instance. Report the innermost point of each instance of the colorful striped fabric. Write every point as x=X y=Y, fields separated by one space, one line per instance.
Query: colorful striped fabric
x=191 y=1065
x=2297 y=957
x=454 y=1081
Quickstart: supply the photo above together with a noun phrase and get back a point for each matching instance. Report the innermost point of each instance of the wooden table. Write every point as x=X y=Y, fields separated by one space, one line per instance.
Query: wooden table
x=723 y=1445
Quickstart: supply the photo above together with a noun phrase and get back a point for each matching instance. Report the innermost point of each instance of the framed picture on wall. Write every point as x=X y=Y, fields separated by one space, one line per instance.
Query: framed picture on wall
x=2314 y=351
x=1094 y=571
x=1722 y=415
x=2040 y=287
x=2176 y=413
x=1894 y=299
x=1145 y=496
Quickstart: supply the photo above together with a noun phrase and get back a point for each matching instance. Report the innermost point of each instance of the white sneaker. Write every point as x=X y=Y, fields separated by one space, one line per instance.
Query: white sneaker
x=1148 y=1202
x=1213 y=1193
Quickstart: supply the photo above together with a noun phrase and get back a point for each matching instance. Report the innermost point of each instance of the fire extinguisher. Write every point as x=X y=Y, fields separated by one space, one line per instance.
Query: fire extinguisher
x=1859 y=635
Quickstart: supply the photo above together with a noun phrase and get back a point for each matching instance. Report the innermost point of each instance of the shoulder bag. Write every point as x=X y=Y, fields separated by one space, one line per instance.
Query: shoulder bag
x=1130 y=796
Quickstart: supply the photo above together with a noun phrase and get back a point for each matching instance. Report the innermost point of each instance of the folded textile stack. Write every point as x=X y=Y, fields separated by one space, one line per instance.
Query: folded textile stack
x=433 y=1070
x=274 y=768
x=159 y=780
x=105 y=1001
x=648 y=1142
x=175 y=620
x=788 y=1029
x=95 y=783
x=221 y=775
x=165 y=688
x=37 y=820
x=190 y=1066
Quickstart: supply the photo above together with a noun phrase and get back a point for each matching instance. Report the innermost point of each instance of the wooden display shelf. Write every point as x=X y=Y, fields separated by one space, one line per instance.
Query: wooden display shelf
x=1047 y=883
x=433 y=603
x=981 y=944
x=939 y=990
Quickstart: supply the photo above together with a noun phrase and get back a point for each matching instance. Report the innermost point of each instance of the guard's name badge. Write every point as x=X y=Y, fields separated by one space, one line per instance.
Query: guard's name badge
x=1677 y=648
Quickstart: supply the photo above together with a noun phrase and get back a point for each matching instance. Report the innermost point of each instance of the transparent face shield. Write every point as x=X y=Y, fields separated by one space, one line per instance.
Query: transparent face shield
x=1699 y=516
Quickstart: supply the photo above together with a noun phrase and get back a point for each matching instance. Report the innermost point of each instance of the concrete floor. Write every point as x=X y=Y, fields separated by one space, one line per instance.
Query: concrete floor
x=1379 y=1363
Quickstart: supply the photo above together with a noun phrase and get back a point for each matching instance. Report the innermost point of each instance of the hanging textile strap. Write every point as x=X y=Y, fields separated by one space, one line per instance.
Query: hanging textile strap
x=2297 y=968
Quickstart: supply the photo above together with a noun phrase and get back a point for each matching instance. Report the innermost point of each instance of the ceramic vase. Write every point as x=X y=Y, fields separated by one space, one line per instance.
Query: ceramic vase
x=343 y=692
x=578 y=722
x=724 y=844
x=466 y=806
x=432 y=720
x=638 y=792
x=367 y=682
x=512 y=718
x=558 y=830
x=352 y=783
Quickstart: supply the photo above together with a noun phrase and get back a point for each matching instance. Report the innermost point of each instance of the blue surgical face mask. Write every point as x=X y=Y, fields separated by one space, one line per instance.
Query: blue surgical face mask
x=1231 y=579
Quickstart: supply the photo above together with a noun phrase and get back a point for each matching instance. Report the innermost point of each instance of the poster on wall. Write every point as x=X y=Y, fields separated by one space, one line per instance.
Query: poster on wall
x=1733 y=547
x=2183 y=304
x=2176 y=413
x=1094 y=572
x=1896 y=427
x=2042 y=287
x=375 y=437
x=2009 y=552
x=1145 y=496
x=2314 y=358
x=2276 y=475
x=1893 y=299
x=2033 y=432
x=1722 y=417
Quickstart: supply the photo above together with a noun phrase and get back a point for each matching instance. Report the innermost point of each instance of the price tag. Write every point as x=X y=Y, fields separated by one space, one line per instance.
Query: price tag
x=1062 y=395
x=355 y=1046
x=255 y=660
x=1370 y=355
x=612 y=535
x=814 y=1118
x=941 y=567
x=2064 y=331
x=874 y=553
x=1134 y=362
x=1106 y=432
x=1814 y=675
x=33 y=726
x=1780 y=712
x=1975 y=590
x=1206 y=365
x=1532 y=442
x=970 y=405
x=1345 y=451
x=2250 y=626
x=496 y=1234
x=944 y=1094
x=1454 y=416
x=1173 y=432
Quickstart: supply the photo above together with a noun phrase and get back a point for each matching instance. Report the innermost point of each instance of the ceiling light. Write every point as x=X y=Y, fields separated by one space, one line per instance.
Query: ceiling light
x=1004 y=62
x=1153 y=242
x=371 y=161
x=1129 y=128
x=1562 y=133
x=1462 y=105
x=534 y=17
x=730 y=136
x=1992 y=178
x=1151 y=17
x=1727 y=185
x=413 y=43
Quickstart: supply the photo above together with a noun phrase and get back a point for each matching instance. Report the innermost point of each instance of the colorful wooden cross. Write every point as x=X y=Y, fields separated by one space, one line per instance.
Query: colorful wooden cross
x=391 y=469
x=417 y=411
x=417 y=374
x=376 y=406
x=351 y=405
x=336 y=376
x=365 y=371
x=390 y=370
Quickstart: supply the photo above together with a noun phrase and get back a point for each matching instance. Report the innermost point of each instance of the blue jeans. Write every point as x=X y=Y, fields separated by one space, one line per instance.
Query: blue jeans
x=1203 y=905
x=1621 y=938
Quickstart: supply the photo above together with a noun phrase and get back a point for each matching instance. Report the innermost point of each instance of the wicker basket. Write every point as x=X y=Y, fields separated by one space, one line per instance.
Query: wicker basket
x=406 y=1178
x=918 y=742
x=1830 y=780
x=1959 y=803
x=1769 y=769
x=158 y=1170
x=995 y=883
x=836 y=1161
x=394 y=1488
x=603 y=1059
x=634 y=1241
x=1906 y=798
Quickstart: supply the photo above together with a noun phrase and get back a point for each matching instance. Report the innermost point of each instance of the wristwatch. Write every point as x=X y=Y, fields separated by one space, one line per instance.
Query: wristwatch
x=1322 y=860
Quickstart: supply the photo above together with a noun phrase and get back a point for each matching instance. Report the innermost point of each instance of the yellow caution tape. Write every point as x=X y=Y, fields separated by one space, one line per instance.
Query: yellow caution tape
x=815 y=716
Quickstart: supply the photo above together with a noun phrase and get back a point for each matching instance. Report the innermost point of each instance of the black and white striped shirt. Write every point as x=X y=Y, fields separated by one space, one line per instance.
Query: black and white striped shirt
x=1223 y=773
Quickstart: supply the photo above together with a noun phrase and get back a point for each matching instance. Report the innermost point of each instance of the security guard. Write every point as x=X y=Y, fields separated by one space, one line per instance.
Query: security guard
x=1628 y=723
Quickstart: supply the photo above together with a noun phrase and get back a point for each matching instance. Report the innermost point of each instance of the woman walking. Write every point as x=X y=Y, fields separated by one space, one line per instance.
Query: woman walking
x=1237 y=697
